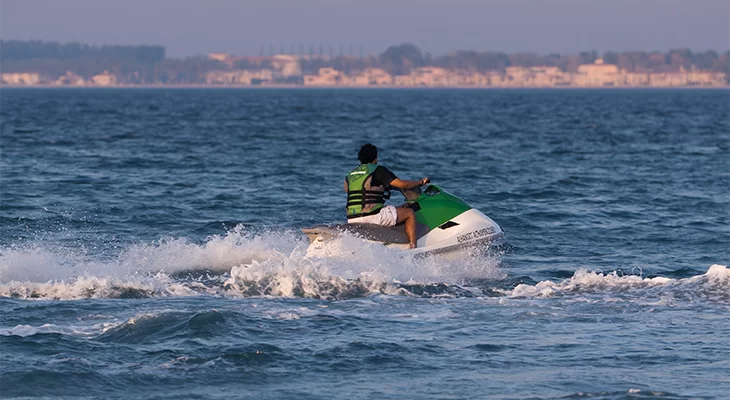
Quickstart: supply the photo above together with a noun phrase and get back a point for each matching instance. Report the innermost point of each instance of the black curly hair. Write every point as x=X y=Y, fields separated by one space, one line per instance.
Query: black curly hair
x=367 y=154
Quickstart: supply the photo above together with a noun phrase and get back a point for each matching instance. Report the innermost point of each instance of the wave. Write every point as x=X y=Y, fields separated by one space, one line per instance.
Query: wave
x=713 y=285
x=630 y=394
x=28 y=330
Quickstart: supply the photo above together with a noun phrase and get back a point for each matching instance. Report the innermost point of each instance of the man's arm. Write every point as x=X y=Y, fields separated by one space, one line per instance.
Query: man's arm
x=406 y=184
x=385 y=176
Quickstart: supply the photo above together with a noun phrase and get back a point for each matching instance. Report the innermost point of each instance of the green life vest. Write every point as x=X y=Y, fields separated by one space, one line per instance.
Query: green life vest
x=362 y=197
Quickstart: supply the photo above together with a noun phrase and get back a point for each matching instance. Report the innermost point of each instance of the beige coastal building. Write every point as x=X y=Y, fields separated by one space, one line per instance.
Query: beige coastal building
x=222 y=57
x=104 y=79
x=325 y=77
x=670 y=79
x=549 y=76
x=21 y=78
x=701 y=78
x=596 y=74
x=517 y=76
x=371 y=77
x=468 y=78
x=239 y=77
x=539 y=76
x=69 y=79
x=424 y=76
x=634 y=78
x=286 y=65
x=496 y=79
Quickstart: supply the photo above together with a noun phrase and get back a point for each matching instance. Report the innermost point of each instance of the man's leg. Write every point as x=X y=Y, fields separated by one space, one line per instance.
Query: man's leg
x=406 y=214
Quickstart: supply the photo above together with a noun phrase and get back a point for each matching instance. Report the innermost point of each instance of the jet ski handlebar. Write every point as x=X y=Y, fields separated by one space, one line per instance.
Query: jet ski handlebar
x=410 y=194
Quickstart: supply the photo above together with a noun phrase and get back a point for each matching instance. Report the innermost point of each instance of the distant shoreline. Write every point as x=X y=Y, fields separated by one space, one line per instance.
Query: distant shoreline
x=341 y=87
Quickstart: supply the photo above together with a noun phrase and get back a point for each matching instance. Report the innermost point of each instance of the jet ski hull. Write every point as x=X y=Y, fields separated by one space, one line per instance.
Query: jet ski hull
x=467 y=230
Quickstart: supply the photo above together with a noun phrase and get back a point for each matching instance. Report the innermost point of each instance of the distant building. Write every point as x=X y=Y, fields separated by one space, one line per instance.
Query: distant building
x=70 y=79
x=424 y=76
x=467 y=78
x=539 y=76
x=21 y=78
x=254 y=60
x=517 y=76
x=371 y=77
x=596 y=74
x=634 y=78
x=239 y=77
x=219 y=56
x=544 y=76
x=325 y=77
x=701 y=78
x=668 y=79
x=105 y=79
x=496 y=79
x=404 y=80
x=225 y=58
x=286 y=65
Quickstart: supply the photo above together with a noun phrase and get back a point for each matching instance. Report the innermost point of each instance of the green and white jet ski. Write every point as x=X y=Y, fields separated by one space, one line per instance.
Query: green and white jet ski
x=445 y=224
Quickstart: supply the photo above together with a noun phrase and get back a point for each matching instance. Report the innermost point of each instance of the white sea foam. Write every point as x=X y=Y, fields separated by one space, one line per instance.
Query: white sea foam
x=27 y=330
x=271 y=263
x=714 y=283
x=42 y=263
x=37 y=264
x=219 y=253
x=276 y=264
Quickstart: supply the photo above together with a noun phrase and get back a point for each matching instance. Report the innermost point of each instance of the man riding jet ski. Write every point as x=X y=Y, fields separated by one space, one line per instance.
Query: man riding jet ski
x=366 y=188
x=433 y=220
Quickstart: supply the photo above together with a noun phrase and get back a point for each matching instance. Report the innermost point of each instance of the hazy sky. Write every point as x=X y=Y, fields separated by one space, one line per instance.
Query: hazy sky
x=189 y=27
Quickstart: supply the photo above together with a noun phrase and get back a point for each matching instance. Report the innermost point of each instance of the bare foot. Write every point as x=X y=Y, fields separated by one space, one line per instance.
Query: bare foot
x=412 y=245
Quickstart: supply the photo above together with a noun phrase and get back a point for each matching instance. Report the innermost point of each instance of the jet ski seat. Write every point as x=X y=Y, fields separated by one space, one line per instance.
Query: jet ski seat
x=387 y=234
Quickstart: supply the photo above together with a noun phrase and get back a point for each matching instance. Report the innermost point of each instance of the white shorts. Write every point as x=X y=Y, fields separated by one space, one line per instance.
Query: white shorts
x=387 y=216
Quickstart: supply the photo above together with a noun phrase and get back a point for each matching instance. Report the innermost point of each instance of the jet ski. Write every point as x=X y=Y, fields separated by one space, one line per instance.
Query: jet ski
x=444 y=224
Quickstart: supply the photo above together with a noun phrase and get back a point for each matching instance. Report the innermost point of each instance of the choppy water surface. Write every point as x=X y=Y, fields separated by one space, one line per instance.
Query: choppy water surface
x=150 y=245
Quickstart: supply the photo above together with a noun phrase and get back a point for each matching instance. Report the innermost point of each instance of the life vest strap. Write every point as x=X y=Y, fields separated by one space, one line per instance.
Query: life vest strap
x=364 y=202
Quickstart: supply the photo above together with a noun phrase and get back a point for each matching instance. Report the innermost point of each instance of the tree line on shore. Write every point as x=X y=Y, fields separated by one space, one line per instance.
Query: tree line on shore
x=400 y=59
x=148 y=64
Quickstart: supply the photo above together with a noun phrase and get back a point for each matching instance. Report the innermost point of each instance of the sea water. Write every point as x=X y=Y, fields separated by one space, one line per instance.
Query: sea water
x=150 y=245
